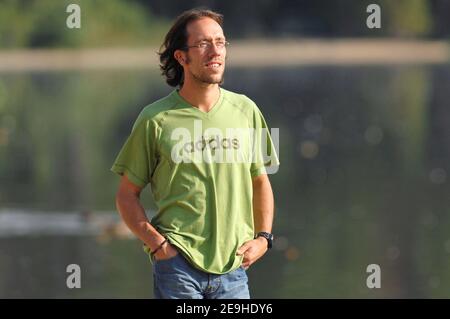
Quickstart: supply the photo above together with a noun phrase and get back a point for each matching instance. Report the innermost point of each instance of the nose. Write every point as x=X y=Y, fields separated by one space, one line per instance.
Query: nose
x=215 y=50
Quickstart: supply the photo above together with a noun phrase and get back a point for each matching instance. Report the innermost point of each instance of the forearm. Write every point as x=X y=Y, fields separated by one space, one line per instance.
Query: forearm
x=133 y=214
x=263 y=211
x=263 y=204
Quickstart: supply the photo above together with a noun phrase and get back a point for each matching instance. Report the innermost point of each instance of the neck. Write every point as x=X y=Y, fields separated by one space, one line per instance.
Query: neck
x=203 y=96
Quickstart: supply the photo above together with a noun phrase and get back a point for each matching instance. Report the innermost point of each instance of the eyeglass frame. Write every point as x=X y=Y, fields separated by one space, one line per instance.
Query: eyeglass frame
x=209 y=46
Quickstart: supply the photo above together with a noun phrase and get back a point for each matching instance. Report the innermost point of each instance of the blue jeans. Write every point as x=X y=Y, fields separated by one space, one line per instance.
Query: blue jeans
x=176 y=278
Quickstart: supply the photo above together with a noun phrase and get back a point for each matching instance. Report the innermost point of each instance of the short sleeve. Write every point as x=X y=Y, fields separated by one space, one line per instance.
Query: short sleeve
x=138 y=158
x=264 y=153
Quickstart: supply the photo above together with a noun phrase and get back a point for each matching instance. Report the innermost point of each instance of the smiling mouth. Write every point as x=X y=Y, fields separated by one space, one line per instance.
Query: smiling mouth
x=213 y=64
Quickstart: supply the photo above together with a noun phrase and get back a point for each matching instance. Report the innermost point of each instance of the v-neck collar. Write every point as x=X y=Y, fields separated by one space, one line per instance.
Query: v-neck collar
x=211 y=112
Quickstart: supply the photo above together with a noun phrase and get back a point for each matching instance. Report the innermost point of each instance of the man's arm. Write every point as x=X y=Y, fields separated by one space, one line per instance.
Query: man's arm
x=263 y=211
x=263 y=207
x=133 y=214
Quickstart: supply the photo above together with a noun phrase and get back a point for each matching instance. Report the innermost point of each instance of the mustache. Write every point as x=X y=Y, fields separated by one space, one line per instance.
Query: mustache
x=218 y=61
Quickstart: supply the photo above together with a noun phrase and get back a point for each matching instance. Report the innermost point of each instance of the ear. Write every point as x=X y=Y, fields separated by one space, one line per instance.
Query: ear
x=179 y=56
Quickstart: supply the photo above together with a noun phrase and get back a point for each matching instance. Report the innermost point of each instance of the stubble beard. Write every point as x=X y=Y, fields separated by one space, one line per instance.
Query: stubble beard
x=206 y=78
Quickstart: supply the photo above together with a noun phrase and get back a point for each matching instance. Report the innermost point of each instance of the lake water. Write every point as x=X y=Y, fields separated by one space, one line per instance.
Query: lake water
x=364 y=179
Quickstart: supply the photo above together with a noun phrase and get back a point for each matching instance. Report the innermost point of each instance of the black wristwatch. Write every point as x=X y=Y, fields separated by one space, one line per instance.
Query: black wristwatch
x=267 y=236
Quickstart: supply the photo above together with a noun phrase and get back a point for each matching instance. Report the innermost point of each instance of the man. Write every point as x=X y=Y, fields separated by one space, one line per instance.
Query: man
x=215 y=210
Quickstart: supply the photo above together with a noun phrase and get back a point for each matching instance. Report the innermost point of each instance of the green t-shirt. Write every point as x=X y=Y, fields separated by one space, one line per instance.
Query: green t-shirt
x=200 y=167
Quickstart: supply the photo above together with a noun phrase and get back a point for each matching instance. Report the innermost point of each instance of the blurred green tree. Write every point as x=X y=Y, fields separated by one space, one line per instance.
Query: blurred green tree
x=43 y=24
x=407 y=17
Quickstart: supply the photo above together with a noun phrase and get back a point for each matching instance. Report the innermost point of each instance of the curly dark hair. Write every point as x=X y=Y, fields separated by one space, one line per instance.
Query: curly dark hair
x=176 y=39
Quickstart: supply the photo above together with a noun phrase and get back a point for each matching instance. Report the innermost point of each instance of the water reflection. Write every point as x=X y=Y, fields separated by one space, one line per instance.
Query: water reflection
x=18 y=223
x=364 y=153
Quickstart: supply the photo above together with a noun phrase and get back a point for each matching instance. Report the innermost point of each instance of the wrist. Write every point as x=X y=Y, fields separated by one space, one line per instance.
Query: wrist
x=268 y=237
x=152 y=240
x=159 y=247
x=262 y=240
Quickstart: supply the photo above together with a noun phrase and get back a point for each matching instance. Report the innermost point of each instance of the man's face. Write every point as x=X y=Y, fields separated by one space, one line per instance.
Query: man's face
x=205 y=64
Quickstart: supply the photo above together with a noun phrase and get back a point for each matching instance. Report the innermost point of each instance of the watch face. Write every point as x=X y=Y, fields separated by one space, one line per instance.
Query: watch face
x=270 y=240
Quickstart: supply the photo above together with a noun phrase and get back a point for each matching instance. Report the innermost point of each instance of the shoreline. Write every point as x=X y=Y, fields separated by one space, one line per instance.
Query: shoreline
x=258 y=53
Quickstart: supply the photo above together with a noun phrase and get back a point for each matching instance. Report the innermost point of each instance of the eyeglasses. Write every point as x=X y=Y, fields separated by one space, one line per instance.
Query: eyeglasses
x=206 y=45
